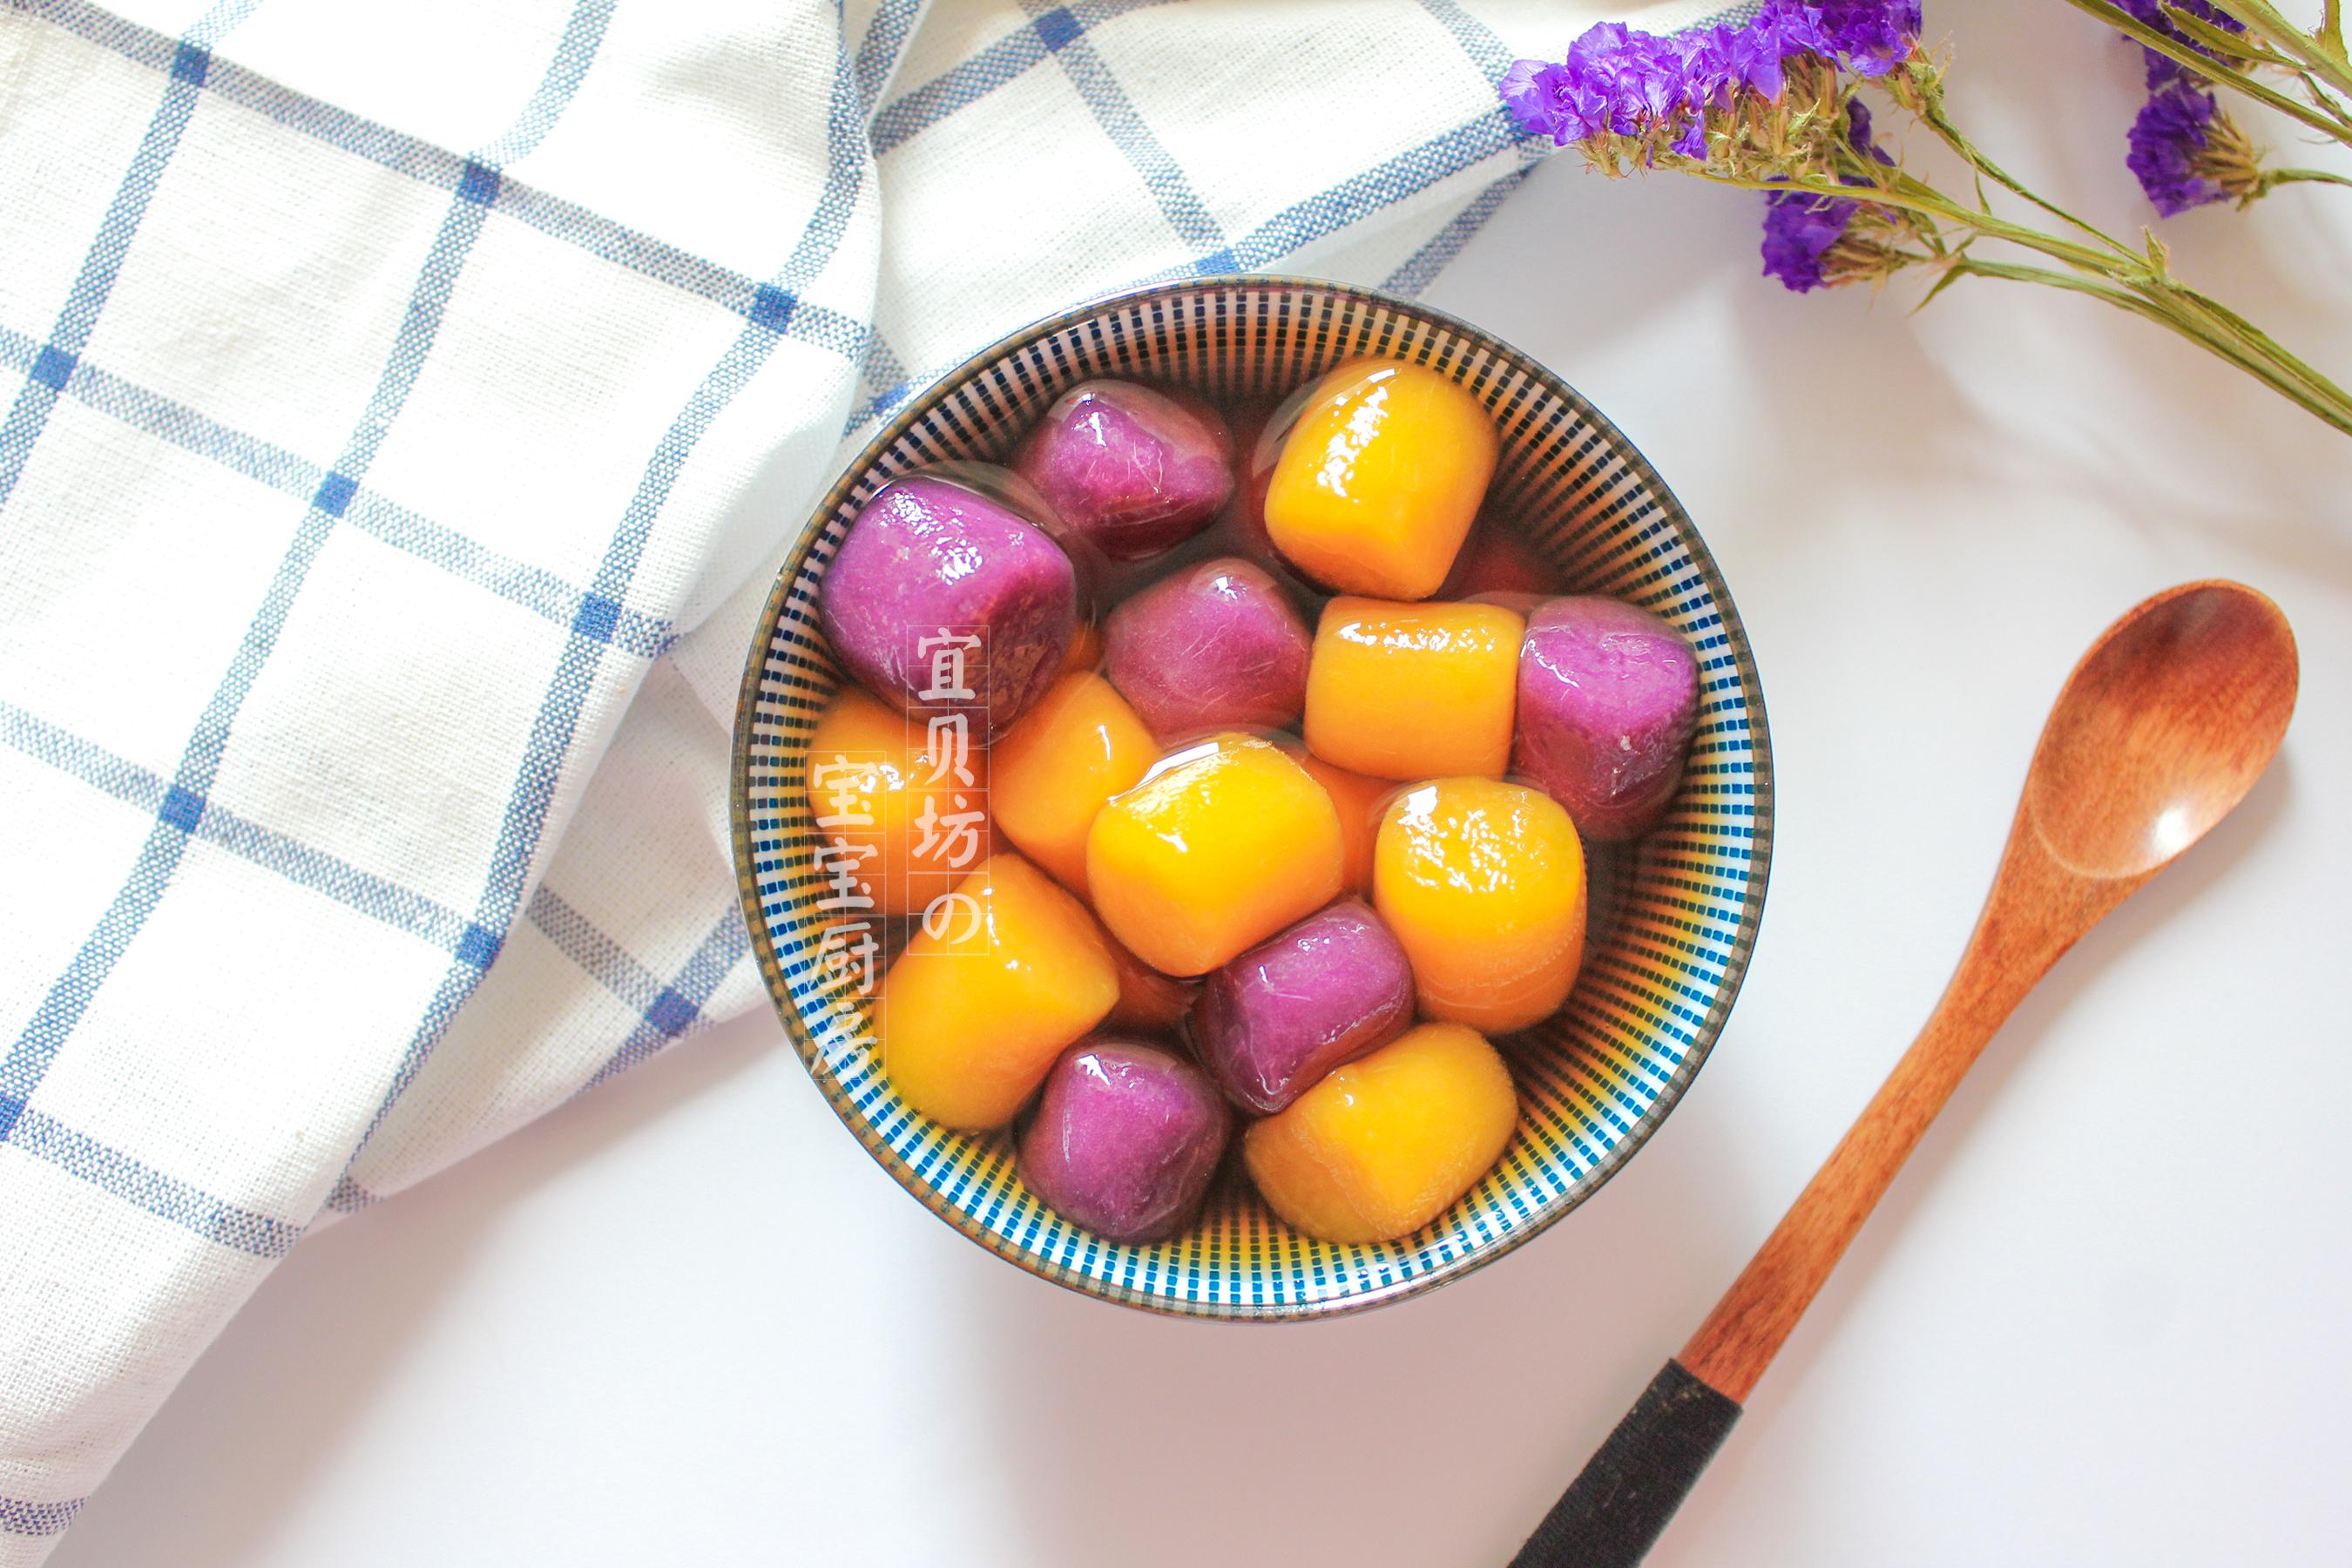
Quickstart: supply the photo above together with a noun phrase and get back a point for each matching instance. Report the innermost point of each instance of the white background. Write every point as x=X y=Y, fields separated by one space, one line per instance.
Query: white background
x=2099 y=1321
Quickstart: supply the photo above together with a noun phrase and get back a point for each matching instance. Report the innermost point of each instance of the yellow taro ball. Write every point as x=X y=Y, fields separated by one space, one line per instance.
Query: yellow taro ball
x=1414 y=691
x=1484 y=885
x=904 y=833
x=1227 y=844
x=1387 y=1143
x=1380 y=480
x=1000 y=976
x=1080 y=745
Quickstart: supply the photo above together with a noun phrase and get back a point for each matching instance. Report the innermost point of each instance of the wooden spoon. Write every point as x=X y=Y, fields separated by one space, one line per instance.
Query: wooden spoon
x=2162 y=728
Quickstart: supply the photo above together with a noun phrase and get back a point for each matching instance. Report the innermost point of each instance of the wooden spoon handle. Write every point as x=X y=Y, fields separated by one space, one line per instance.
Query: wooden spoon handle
x=2006 y=954
x=1757 y=1315
x=1617 y=1507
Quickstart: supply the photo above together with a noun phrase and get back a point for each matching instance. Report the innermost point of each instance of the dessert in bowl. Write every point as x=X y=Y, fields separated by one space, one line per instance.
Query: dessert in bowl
x=1251 y=798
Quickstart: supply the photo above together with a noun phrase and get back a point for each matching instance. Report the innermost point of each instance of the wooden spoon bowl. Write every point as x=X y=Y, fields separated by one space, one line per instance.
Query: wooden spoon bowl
x=2165 y=725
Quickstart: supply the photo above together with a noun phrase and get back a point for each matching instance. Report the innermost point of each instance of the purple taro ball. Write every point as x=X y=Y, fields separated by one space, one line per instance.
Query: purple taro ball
x=1274 y=1021
x=941 y=599
x=1132 y=470
x=1608 y=699
x=1216 y=646
x=1125 y=1140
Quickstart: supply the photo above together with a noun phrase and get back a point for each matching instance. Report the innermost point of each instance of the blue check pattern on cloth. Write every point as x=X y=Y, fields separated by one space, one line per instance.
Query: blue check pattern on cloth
x=404 y=409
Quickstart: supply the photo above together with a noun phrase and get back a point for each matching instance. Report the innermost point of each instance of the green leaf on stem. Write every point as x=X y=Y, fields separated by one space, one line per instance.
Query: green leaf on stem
x=1951 y=275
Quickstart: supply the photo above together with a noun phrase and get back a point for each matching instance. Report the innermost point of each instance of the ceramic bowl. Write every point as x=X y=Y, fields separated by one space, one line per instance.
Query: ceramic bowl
x=1674 y=918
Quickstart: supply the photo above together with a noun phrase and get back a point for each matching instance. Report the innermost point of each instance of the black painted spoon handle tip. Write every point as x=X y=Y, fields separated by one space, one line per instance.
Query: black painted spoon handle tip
x=1619 y=1505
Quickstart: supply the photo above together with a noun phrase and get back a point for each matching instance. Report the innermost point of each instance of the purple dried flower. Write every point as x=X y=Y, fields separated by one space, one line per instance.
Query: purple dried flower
x=1618 y=80
x=1707 y=54
x=2163 y=69
x=1799 y=229
x=2187 y=153
x=1529 y=90
x=1873 y=35
x=2166 y=141
x=1782 y=29
x=1800 y=226
x=1575 y=100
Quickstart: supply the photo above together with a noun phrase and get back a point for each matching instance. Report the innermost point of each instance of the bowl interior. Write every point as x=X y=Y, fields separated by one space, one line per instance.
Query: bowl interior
x=1672 y=918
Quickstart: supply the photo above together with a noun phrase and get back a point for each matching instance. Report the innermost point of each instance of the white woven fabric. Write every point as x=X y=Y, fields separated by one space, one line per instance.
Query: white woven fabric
x=406 y=404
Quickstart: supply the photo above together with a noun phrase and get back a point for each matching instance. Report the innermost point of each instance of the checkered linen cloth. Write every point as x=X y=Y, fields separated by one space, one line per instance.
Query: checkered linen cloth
x=406 y=405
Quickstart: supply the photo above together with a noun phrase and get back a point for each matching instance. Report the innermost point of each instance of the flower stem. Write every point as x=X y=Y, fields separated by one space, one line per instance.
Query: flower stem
x=2240 y=330
x=2320 y=97
x=1909 y=193
x=2133 y=282
x=1931 y=111
x=1924 y=198
x=2335 y=411
x=2294 y=177
x=2325 y=60
x=2206 y=66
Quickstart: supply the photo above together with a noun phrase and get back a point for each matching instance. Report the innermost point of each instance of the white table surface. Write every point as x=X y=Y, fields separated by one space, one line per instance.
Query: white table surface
x=2099 y=1321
